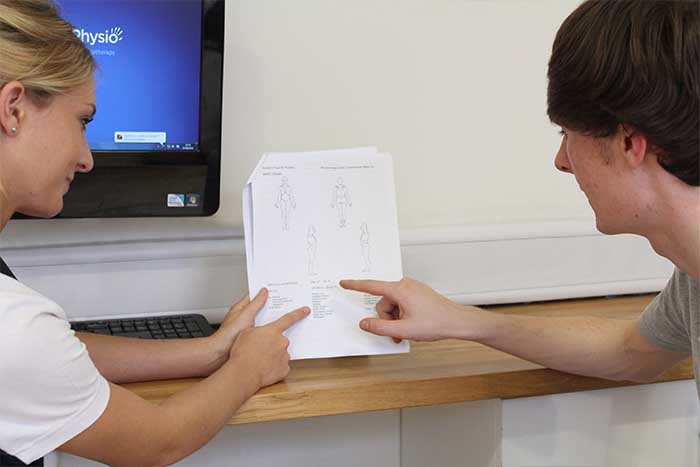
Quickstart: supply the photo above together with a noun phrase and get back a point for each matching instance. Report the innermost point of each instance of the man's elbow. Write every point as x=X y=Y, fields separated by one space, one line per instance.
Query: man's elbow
x=641 y=376
x=641 y=361
x=637 y=375
x=641 y=370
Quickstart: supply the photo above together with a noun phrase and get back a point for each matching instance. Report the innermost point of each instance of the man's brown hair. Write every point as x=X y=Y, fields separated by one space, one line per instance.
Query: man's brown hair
x=633 y=62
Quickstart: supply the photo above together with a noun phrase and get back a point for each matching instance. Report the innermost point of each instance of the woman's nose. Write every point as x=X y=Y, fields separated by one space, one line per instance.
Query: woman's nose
x=86 y=163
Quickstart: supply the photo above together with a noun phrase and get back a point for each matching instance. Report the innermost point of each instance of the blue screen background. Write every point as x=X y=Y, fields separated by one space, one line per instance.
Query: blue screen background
x=149 y=81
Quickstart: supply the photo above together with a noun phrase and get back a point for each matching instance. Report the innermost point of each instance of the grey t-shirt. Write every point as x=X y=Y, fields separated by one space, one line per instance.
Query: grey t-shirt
x=672 y=320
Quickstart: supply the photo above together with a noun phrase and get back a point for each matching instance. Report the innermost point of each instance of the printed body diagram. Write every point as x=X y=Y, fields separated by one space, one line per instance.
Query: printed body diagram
x=364 y=244
x=285 y=202
x=311 y=249
x=340 y=199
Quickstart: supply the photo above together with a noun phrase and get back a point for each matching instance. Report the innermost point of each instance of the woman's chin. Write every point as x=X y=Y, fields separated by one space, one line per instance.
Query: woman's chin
x=56 y=211
x=43 y=212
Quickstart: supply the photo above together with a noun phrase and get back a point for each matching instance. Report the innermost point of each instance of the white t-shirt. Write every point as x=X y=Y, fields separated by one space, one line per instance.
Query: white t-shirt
x=50 y=390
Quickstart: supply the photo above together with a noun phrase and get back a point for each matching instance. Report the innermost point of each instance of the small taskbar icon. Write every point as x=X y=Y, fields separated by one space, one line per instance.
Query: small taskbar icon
x=176 y=200
x=192 y=200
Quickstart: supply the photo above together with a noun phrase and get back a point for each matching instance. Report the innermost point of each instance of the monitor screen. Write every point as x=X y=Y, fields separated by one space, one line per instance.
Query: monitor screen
x=148 y=82
x=156 y=137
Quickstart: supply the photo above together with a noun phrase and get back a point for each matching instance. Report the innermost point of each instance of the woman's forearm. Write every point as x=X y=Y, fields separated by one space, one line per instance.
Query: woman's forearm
x=207 y=405
x=126 y=360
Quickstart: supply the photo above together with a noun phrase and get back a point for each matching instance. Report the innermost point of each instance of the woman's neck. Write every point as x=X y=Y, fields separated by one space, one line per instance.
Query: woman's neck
x=6 y=211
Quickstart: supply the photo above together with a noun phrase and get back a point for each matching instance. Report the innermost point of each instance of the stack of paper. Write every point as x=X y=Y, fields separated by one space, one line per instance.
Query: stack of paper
x=312 y=219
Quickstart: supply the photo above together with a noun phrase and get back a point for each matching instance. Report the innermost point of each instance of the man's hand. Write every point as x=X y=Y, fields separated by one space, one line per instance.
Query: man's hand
x=410 y=309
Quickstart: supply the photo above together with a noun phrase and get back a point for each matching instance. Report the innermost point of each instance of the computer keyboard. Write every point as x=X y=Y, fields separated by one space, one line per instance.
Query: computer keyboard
x=149 y=327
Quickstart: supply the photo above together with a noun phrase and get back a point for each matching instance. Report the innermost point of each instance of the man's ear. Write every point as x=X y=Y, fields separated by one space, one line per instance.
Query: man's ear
x=635 y=145
x=13 y=97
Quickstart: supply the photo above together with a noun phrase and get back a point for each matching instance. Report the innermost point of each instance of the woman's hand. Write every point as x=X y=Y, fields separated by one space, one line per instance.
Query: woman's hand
x=410 y=309
x=240 y=317
x=263 y=350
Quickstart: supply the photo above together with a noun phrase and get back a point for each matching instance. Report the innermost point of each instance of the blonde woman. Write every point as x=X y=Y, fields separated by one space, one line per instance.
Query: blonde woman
x=57 y=388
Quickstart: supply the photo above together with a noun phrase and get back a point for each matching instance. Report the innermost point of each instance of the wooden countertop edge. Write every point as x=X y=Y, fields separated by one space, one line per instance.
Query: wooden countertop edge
x=433 y=373
x=275 y=406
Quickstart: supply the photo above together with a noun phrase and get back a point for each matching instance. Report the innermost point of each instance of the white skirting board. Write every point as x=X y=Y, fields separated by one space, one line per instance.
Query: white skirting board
x=205 y=271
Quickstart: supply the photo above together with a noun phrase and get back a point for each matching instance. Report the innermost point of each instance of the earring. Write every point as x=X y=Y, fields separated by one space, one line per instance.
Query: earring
x=13 y=130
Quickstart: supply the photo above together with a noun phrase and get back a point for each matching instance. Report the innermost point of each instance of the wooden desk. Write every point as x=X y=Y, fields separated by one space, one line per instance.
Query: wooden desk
x=433 y=373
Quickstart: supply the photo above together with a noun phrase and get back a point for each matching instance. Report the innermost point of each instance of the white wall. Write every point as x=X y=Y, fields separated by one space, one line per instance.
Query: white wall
x=454 y=89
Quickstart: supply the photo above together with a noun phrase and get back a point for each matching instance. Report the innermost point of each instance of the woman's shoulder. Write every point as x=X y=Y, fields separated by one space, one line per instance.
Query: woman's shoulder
x=31 y=326
x=20 y=303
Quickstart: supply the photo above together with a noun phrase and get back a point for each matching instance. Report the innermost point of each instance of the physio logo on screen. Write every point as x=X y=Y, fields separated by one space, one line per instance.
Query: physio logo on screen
x=109 y=36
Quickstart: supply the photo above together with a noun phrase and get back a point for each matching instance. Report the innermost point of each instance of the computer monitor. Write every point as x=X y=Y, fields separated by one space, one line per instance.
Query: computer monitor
x=156 y=137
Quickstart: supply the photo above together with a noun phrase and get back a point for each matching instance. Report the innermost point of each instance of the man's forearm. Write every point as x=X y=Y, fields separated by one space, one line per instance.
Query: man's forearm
x=582 y=345
x=126 y=360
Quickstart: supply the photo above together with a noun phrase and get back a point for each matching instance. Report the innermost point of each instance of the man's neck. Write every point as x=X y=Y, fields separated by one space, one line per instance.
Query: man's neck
x=676 y=233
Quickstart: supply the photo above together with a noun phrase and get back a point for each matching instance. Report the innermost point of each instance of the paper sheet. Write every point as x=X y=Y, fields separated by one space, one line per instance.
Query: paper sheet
x=310 y=220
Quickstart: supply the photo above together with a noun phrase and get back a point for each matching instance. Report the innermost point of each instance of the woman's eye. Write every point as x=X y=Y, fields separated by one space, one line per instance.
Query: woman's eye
x=86 y=122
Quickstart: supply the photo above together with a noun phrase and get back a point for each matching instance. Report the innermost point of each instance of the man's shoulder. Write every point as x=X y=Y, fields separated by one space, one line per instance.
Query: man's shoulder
x=684 y=286
x=686 y=279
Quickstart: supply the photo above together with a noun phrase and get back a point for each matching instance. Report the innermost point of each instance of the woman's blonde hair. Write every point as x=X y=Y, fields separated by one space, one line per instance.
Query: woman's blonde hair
x=39 y=49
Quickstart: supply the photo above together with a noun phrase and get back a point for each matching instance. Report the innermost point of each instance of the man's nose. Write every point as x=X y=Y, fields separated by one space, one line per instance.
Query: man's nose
x=561 y=161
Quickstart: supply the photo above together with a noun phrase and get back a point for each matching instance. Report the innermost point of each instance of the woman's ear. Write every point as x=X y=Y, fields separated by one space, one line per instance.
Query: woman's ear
x=13 y=97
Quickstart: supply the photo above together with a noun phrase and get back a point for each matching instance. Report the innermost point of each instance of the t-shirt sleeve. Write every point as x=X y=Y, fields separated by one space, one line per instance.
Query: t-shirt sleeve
x=666 y=321
x=50 y=390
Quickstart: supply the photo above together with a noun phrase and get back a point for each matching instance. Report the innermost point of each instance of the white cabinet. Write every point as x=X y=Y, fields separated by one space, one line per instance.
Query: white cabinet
x=653 y=425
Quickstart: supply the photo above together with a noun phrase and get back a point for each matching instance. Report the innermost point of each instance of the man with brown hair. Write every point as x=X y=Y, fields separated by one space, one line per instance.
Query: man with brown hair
x=624 y=85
